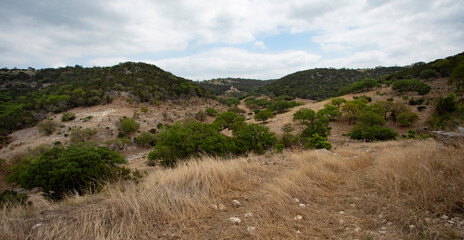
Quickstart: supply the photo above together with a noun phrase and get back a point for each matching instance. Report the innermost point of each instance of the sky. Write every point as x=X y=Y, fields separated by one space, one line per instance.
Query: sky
x=205 y=39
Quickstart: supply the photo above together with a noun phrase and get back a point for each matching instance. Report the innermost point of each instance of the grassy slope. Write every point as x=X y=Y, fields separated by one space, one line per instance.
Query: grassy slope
x=385 y=190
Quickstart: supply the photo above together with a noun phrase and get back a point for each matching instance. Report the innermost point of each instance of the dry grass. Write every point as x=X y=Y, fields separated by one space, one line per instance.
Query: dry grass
x=382 y=189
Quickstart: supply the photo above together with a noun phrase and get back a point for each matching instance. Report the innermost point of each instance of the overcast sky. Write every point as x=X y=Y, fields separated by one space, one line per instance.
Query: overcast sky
x=204 y=39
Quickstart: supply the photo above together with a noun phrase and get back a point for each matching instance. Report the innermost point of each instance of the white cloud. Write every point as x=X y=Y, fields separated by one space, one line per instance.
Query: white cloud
x=353 y=33
x=234 y=62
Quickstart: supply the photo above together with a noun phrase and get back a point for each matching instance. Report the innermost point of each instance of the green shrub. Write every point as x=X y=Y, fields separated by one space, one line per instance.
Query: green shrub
x=428 y=73
x=305 y=115
x=47 y=127
x=82 y=135
x=226 y=119
x=211 y=112
x=338 y=101
x=200 y=116
x=9 y=198
x=318 y=142
x=78 y=168
x=254 y=137
x=376 y=132
x=146 y=139
x=144 y=109
x=370 y=118
x=68 y=116
x=406 y=119
x=183 y=140
x=411 y=85
x=264 y=115
x=329 y=111
x=279 y=147
x=118 y=143
x=421 y=108
x=127 y=126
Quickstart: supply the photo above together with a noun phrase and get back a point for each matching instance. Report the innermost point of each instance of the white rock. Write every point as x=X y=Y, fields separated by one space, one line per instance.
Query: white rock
x=389 y=223
x=298 y=217
x=383 y=228
x=235 y=220
x=356 y=198
x=251 y=228
x=248 y=214
x=296 y=200
x=444 y=217
x=236 y=203
x=37 y=225
x=341 y=222
x=412 y=226
x=383 y=232
x=214 y=206
x=357 y=230
x=221 y=207
x=302 y=205
x=380 y=216
x=341 y=212
x=298 y=232
x=353 y=205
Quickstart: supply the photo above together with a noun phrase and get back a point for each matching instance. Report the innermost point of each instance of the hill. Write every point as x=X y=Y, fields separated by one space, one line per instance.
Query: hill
x=26 y=96
x=321 y=83
x=232 y=87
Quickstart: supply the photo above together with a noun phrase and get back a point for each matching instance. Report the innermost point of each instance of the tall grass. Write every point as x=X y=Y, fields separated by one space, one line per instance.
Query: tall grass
x=373 y=184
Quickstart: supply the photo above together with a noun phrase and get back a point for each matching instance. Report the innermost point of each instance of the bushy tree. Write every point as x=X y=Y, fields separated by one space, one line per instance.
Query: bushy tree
x=254 y=137
x=281 y=106
x=338 y=101
x=82 y=135
x=406 y=119
x=376 y=132
x=118 y=143
x=264 y=115
x=47 y=127
x=128 y=126
x=305 y=115
x=11 y=198
x=211 y=112
x=146 y=139
x=350 y=111
x=68 y=116
x=226 y=119
x=78 y=168
x=329 y=111
x=183 y=140
x=318 y=142
x=370 y=118
x=428 y=73
x=457 y=78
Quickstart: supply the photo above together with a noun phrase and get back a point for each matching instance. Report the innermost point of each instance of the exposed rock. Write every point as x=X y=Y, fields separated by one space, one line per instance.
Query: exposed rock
x=302 y=205
x=357 y=230
x=235 y=220
x=236 y=203
x=298 y=217
x=341 y=212
x=37 y=225
x=296 y=200
x=248 y=214
x=449 y=138
x=221 y=207
x=251 y=228
x=341 y=221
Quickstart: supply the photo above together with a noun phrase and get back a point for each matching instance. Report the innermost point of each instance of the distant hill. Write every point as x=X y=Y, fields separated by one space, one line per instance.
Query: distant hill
x=27 y=95
x=232 y=86
x=321 y=83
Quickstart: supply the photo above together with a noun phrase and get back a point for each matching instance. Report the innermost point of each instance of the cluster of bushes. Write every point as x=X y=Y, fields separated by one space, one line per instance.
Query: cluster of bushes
x=365 y=85
x=448 y=115
x=59 y=171
x=411 y=85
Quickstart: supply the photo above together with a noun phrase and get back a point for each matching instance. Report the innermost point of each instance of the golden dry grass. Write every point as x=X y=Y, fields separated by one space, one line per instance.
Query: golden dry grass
x=387 y=190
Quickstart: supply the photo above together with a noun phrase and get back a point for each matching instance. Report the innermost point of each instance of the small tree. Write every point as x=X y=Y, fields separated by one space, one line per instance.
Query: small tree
x=370 y=118
x=82 y=135
x=457 y=78
x=406 y=119
x=350 y=111
x=146 y=139
x=305 y=115
x=68 y=116
x=428 y=73
x=254 y=137
x=47 y=127
x=264 y=115
x=127 y=126
x=210 y=112
x=338 y=101
x=329 y=111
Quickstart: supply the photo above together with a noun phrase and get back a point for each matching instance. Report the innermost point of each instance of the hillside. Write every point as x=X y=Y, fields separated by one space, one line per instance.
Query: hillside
x=26 y=96
x=321 y=83
x=232 y=87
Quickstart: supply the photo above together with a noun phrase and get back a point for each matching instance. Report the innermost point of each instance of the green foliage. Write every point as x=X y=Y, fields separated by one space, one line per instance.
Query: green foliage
x=226 y=119
x=144 y=109
x=305 y=115
x=446 y=105
x=318 y=142
x=236 y=110
x=279 y=147
x=211 y=112
x=78 y=168
x=428 y=73
x=448 y=114
x=222 y=85
x=82 y=135
x=329 y=111
x=320 y=126
x=68 y=116
x=338 y=101
x=128 y=126
x=200 y=116
x=47 y=127
x=457 y=78
x=11 y=198
x=264 y=115
x=288 y=128
x=321 y=83
x=254 y=137
x=183 y=140
x=411 y=134
x=146 y=139
x=376 y=132
x=350 y=111
x=370 y=118
x=411 y=85
x=118 y=143
x=406 y=119
x=364 y=85
x=282 y=106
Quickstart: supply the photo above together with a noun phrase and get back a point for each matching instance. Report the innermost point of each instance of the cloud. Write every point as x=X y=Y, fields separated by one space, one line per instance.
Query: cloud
x=234 y=62
x=355 y=33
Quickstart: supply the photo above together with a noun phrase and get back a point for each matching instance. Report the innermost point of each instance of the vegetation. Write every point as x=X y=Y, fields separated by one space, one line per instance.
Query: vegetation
x=221 y=86
x=448 y=114
x=11 y=198
x=364 y=85
x=411 y=85
x=406 y=119
x=211 y=112
x=321 y=83
x=77 y=168
x=254 y=137
x=82 y=135
x=68 y=116
x=146 y=139
x=127 y=126
x=264 y=115
x=47 y=127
